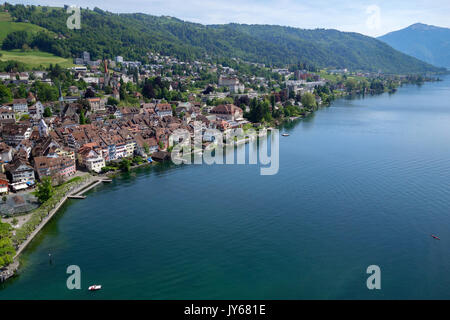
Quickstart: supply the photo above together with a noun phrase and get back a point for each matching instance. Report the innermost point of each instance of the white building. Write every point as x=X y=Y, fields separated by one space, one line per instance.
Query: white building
x=92 y=160
x=43 y=128
x=20 y=105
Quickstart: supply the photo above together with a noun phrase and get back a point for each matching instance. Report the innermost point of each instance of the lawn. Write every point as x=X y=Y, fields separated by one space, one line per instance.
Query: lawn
x=35 y=59
x=4 y=16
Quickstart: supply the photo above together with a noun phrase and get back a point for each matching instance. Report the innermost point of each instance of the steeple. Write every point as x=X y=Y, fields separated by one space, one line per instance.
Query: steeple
x=61 y=100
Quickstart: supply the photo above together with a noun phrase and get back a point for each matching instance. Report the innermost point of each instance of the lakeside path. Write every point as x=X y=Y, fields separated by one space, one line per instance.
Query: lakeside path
x=74 y=192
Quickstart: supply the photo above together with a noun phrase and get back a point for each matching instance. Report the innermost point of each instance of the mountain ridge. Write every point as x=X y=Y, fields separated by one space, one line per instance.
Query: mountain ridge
x=106 y=35
x=428 y=43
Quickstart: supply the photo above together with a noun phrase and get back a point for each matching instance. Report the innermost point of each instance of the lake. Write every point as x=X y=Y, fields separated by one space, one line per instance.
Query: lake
x=363 y=182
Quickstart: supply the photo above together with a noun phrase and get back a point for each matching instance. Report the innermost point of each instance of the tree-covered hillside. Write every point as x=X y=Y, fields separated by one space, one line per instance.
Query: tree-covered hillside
x=425 y=42
x=106 y=35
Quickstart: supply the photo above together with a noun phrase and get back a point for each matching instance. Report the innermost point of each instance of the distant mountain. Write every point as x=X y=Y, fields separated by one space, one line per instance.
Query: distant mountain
x=106 y=35
x=425 y=42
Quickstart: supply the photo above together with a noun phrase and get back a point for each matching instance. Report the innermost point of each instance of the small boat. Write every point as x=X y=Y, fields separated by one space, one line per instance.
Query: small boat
x=95 y=287
x=285 y=134
x=437 y=238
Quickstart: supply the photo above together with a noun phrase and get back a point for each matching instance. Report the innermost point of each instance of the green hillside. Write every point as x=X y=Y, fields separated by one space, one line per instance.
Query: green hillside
x=425 y=42
x=7 y=26
x=34 y=59
x=106 y=35
x=31 y=58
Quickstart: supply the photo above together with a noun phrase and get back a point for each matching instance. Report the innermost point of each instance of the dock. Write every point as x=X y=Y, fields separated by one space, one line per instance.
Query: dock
x=79 y=194
x=76 y=197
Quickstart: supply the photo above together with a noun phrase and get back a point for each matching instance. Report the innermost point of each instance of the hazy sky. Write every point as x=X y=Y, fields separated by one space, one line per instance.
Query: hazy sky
x=372 y=18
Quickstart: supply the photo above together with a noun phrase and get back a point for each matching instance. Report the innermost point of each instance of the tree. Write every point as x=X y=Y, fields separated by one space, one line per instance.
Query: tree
x=112 y=101
x=272 y=101
x=44 y=190
x=21 y=92
x=351 y=84
x=82 y=117
x=146 y=148
x=16 y=40
x=47 y=112
x=148 y=91
x=309 y=100
x=89 y=93
x=125 y=165
x=5 y=94
x=25 y=117
x=7 y=251
x=46 y=92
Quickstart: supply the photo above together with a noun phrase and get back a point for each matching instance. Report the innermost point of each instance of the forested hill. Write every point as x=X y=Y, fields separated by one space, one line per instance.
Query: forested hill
x=106 y=35
x=425 y=42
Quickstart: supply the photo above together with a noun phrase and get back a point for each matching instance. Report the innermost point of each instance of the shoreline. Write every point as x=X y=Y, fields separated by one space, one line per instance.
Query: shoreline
x=75 y=193
x=94 y=180
x=78 y=190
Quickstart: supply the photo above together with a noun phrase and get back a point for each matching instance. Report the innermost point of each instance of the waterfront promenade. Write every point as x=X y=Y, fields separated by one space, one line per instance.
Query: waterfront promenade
x=75 y=192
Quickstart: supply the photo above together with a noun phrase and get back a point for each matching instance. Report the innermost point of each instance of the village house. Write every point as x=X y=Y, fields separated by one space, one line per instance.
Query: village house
x=73 y=90
x=7 y=115
x=163 y=110
x=90 y=159
x=6 y=152
x=129 y=112
x=13 y=134
x=20 y=105
x=39 y=74
x=26 y=145
x=232 y=83
x=227 y=112
x=5 y=76
x=31 y=98
x=96 y=104
x=4 y=184
x=54 y=167
x=36 y=111
x=20 y=170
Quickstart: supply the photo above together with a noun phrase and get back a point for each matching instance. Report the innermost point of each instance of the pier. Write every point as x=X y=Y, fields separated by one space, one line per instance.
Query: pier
x=79 y=193
x=76 y=197
x=76 y=194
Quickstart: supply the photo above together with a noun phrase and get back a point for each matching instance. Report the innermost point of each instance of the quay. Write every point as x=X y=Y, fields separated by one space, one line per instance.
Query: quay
x=77 y=193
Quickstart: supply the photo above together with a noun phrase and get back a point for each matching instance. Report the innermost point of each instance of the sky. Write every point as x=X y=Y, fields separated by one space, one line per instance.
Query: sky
x=369 y=17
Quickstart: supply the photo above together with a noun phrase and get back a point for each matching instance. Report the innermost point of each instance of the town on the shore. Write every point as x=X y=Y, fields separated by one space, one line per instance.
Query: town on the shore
x=105 y=115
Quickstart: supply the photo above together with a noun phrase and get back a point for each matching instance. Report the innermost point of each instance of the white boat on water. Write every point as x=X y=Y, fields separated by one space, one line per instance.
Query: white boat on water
x=95 y=287
x=285 y=134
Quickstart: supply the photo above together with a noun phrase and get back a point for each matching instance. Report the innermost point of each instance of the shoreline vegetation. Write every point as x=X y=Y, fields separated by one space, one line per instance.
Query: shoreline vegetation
x=38 y=218
x=16 y=240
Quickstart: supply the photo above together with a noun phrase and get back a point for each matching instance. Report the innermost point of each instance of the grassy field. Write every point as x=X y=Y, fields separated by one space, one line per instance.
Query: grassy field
x=4 y=16
x=35 y=59
x=7 y=26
